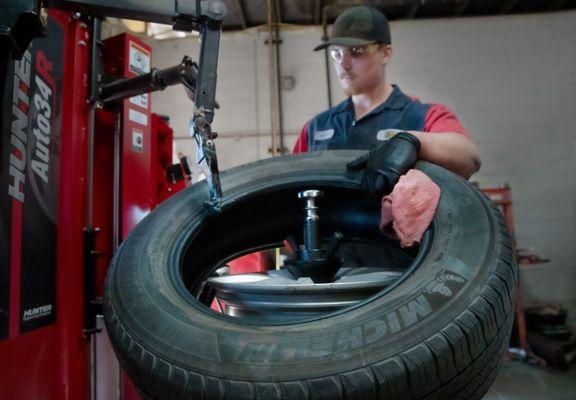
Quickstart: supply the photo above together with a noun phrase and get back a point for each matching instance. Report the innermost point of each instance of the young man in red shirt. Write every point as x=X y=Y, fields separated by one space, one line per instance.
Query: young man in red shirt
x=377 y=115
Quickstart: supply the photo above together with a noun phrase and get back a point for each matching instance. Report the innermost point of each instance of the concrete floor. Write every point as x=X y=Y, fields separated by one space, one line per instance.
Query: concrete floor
x=521 y=381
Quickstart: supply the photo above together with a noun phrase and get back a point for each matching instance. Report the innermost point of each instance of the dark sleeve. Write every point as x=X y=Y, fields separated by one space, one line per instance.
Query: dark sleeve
x=441 y=119
x=301 y=145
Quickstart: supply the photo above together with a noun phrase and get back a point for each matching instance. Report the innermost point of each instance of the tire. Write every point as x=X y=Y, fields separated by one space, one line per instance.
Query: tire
x=439 y=333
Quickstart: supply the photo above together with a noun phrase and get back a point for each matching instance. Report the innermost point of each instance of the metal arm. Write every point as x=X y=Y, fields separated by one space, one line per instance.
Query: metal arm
x=204 y=109
x=205 y=16
x=185 y=73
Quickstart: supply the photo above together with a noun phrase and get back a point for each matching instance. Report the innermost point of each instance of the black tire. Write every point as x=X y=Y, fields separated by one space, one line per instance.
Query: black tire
x=438 y=334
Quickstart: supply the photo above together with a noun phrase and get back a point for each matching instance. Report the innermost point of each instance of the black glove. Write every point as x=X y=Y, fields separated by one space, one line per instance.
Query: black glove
x=386 y=163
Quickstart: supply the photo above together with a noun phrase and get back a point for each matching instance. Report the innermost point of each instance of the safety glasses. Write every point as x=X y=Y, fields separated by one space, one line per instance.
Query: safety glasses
x=355 y=53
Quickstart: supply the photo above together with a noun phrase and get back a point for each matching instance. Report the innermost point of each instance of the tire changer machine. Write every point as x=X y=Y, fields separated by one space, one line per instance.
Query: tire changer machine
x=82 y=160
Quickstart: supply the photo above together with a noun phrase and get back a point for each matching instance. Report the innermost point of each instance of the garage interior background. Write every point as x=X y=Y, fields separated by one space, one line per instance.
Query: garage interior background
x=511 y=79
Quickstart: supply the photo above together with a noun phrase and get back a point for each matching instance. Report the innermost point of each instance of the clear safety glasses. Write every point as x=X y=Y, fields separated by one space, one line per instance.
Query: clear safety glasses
x=356 y=52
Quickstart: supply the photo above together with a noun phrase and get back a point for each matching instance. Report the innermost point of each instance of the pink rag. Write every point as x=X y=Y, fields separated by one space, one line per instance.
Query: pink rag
x=410 y=207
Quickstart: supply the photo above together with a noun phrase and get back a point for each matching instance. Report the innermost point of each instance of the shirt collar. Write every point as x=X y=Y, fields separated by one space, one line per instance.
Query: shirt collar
x=395 y=101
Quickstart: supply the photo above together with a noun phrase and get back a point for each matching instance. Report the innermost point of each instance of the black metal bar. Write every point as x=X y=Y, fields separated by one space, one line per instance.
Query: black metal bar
x=95 y=61
x=125 y=88
x=160 y=11
x=156 y=79
x=92 y=304
x=207 y=72
x=183 y=15
x=205 y=100
x=204 y=110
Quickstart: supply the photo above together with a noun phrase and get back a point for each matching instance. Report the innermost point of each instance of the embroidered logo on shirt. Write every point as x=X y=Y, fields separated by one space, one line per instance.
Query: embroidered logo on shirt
x=386 y=134
x=324 y=135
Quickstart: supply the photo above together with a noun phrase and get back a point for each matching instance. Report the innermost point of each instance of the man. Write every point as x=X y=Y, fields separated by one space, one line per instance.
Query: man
x=377 y=116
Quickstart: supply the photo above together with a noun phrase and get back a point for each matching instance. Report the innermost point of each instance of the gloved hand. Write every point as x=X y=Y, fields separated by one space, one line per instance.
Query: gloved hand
x=386 y=163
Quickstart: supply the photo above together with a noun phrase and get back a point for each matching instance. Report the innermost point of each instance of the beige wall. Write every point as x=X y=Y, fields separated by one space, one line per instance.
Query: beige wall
x=511 y=79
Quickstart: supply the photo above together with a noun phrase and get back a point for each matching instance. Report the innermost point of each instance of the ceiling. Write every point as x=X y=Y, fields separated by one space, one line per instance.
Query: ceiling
x=244 y=14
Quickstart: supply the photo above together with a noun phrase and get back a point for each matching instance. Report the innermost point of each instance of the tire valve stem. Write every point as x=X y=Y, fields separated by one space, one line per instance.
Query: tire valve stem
x=312 y=221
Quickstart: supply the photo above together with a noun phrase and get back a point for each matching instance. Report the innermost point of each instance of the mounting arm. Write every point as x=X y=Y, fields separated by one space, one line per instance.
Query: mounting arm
x=204 y=16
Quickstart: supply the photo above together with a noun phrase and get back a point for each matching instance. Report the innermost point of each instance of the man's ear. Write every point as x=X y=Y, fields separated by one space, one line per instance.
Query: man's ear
x=386 y=53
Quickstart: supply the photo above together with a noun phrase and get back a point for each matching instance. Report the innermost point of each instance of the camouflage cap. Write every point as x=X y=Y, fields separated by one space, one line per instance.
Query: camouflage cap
x=358 y=26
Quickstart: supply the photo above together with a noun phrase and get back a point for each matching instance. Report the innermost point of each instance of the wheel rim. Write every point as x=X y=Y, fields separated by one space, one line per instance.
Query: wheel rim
x=276 y=297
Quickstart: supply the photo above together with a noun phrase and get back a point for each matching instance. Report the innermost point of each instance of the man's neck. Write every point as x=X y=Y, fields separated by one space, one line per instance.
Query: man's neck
x=367 y=101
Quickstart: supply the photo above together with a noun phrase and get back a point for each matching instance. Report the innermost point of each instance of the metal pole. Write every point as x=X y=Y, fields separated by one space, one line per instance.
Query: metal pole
x=326 y=57
x=277 y=43
x=116 y=180
x=94 y=84
x=90 y=169
x=272 y=83
x=205 y=104
x=93 y=393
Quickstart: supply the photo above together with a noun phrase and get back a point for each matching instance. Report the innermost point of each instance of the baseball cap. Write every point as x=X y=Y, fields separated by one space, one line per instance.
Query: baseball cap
x=358 y=26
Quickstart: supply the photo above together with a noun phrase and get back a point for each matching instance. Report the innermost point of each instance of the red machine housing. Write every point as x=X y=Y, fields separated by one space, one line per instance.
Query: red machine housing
x=50 y=361
x=45 y=350
x=126 y=56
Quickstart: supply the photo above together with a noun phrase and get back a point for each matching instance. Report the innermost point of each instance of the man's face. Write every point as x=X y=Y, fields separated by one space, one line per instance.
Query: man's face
x=360 y=68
